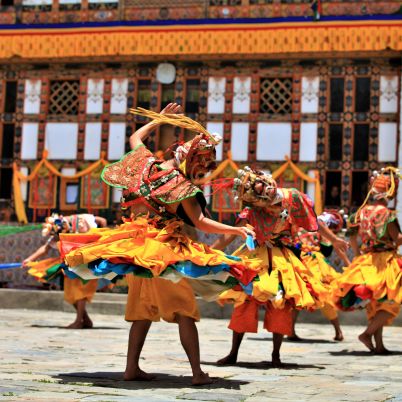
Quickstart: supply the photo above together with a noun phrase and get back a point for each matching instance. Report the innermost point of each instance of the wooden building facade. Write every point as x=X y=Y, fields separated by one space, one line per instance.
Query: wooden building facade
x=273 y=82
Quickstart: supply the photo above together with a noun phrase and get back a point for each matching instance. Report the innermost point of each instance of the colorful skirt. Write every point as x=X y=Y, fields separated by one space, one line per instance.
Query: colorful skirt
x=287 y=282
x=375 y=276
x=151 y=248
x=46 y=270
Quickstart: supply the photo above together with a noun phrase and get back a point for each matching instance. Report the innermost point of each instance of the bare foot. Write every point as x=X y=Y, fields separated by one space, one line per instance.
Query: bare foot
x=366 y=340
x=229 y=359
x=276 y=360
x=201 y=379
x=294 y=338
x=138 y=375
x=382 y=351
x=339 y=337
x=88 y=323
x=76 y=325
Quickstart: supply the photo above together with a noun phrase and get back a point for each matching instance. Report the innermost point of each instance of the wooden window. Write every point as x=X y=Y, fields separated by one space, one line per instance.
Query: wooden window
x=361 y=142
x=362 y=94
x=337 y=87
x=167 y=94
x=333 y=189
x=144 y=94
x=6 y=179
x=64 y=97
x=359 y=187
x=276 y=95
x=10 y=98
x=7 y=141
x=335 y=142
x=192 y=95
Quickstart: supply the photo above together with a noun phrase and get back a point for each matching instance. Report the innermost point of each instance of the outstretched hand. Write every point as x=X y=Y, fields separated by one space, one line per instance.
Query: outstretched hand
x=244 y=231
x=172 y=108
x=340 y=245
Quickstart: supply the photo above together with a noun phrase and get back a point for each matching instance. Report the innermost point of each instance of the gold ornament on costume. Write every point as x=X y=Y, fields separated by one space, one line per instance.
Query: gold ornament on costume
x=252 y=185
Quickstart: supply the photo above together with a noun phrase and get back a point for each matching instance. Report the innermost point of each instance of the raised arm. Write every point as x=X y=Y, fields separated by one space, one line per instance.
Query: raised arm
x=40 y=252
x=140 y=135
x=201 y=222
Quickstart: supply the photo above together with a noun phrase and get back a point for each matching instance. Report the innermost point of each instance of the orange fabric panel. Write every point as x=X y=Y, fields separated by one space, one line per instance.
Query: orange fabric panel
x=374 y=307
x=329 y=312
x=278 y=320
x=156 y=298
x=75 y=289
x=245 y=318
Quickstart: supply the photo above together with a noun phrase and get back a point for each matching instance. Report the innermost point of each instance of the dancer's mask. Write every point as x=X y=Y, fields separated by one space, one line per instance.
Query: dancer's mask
x=252 y=186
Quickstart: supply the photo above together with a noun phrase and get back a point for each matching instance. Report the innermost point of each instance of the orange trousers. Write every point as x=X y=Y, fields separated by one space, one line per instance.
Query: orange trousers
x=374 y=307
x=75 y=289
x=245 y=318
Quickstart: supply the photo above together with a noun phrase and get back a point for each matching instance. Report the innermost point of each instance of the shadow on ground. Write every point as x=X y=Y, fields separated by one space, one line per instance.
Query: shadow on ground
x=114 y=380
x=301 y=340
x=311 y=340
x=345 y=352
x=267 y=365
x=65 y=327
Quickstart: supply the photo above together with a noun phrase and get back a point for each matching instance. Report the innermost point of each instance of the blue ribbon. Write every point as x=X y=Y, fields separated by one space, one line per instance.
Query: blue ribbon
x=10 y=265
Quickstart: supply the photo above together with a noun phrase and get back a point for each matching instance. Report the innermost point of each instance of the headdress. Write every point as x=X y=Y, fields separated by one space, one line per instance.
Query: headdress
x=333 y=219
x=383 y=186
x=53 y=225
x=246 y=184
x=203 y=143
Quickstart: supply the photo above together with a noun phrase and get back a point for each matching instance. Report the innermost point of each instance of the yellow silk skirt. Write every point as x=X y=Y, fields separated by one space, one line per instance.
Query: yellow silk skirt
x=141 y=243
x=288 y=281
x=377 y=271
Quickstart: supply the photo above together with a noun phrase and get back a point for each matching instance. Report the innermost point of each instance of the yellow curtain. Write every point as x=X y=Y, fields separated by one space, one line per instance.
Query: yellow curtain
x=19 y=177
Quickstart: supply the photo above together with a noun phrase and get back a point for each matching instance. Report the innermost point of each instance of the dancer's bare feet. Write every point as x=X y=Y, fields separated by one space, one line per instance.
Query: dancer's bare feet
x=87 y=322
x=366 y=340
x=138 y=375
x=276 y=360
x=229 y=359
x=76 y=325
x=382 y=351
x=201 y=379
x=339 y=337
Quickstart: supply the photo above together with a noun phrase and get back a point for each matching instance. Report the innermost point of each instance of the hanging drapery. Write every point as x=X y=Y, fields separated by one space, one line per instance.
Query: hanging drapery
x=203 y=37
x=296 y=170
x=43 y=179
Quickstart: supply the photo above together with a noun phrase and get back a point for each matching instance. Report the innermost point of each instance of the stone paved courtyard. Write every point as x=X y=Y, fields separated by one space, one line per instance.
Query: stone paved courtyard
x=42 y=361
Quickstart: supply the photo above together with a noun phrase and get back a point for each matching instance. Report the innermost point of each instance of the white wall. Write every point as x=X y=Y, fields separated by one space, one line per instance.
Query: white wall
x=273 y=141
